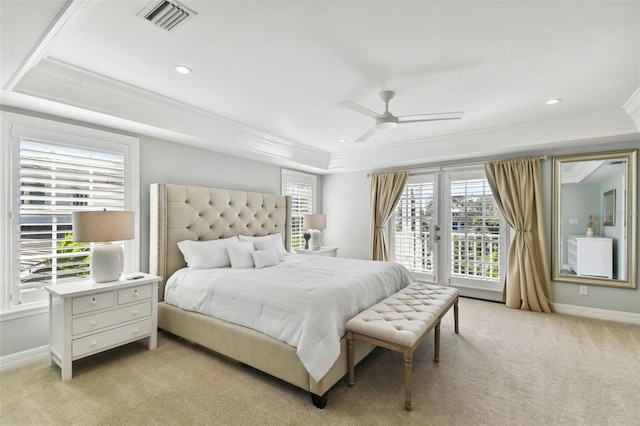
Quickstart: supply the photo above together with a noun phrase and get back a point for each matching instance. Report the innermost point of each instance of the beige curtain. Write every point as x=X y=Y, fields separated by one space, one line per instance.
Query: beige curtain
x=516 y=186
x=386 y=189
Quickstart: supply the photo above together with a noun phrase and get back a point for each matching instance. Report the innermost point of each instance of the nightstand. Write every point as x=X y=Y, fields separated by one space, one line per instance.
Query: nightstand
x=86 y=317
x=322 y=251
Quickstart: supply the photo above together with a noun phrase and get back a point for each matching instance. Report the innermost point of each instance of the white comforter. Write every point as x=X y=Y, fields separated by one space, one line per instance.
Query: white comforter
x=304 y=301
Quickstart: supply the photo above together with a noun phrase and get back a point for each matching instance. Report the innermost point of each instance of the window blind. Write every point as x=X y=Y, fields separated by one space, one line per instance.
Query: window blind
x=301 y=203
x=475 y=230
x=56 y=180
x=414 y=213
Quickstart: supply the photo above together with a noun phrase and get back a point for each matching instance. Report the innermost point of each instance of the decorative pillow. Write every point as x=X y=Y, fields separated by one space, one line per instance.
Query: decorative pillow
x=271 y=237
x=262 y=258
x=268 y=245
x=206 y=254
x=240 y=254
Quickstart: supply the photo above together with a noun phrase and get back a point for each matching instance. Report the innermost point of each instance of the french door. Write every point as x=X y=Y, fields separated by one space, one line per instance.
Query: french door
x=447 y=230
x=415 y=227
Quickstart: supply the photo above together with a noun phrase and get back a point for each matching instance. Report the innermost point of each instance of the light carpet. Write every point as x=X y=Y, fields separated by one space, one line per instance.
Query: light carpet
x=506 y=367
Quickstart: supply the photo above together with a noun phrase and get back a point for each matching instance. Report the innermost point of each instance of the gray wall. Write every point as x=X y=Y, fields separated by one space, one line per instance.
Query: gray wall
x=346 y=203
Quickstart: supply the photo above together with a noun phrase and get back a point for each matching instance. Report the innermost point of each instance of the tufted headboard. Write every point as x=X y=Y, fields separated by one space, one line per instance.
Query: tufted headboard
x=181 y=212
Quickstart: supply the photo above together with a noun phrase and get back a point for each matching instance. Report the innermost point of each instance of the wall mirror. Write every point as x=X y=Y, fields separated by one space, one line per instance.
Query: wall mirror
x=594 y=219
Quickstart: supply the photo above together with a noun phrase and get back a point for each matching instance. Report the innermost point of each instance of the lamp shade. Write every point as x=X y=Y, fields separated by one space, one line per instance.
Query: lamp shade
x=107 y=260
x=101 y=226
x=315 y=221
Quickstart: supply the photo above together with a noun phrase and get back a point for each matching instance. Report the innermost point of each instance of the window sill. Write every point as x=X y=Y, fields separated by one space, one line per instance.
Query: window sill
x=21 y=312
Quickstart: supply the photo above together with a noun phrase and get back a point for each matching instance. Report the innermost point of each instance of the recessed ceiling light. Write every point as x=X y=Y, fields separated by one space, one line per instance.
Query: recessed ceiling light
x=183 y=69
x=553 y=101
x=342 y=140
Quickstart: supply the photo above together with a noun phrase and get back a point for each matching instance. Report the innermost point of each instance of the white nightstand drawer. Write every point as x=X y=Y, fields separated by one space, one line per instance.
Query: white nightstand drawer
x=117 y=336
x=133 y=294
x=93 y=302
x=105 y=319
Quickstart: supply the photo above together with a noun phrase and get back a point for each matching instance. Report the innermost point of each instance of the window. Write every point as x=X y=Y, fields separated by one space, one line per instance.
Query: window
x=53 y=170
x=302 y=188
x=447 y=229
x=475 y=229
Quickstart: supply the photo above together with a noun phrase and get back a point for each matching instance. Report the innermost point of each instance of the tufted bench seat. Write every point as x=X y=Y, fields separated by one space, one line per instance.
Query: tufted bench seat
x=401 y=322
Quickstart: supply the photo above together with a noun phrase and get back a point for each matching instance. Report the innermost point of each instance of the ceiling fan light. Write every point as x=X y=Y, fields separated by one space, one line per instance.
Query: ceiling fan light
x=183 y=69
x=385 y=125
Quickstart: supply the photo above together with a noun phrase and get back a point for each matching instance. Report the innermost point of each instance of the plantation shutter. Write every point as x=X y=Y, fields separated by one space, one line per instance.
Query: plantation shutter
x=475 y=230
x=301 y=187
x=413 y=216
x=56 y=180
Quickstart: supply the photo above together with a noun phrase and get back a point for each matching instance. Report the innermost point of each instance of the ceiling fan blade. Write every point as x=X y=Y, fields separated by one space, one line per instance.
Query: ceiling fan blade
x=367 y=134
x=431 y=117
x=360 y=109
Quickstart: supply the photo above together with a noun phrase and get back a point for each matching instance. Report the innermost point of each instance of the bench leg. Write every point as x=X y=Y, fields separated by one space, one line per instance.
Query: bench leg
x=455 y=314
x=408 y=358
x=350 y=358
x=436 y=355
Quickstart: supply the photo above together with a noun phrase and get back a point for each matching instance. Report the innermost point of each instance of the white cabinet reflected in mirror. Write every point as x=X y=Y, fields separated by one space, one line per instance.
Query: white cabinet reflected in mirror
x=594 y=219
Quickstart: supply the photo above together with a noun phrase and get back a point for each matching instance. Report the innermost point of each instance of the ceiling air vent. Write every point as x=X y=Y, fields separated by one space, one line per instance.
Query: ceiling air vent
x=166 y=14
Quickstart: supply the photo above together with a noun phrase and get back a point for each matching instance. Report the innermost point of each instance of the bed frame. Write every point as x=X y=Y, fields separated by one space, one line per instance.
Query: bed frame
x=180 y=212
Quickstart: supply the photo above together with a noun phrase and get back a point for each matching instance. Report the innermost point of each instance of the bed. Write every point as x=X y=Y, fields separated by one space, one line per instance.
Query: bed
x=179 y=213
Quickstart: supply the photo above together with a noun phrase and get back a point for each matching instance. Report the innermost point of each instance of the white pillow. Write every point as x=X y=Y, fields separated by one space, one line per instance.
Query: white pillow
x=240 y=254
x=271 y=237
x=205 y=254
x=268 y=245
x=262 y=258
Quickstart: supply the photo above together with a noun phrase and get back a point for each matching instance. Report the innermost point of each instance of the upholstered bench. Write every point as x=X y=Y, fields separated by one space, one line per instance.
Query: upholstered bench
x=401 y=322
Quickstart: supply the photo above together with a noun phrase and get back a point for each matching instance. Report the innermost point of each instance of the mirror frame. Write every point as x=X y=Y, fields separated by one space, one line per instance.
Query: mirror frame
x=631 y=216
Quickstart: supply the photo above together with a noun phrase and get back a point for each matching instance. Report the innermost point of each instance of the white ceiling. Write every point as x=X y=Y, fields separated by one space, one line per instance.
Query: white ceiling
x=268 y=75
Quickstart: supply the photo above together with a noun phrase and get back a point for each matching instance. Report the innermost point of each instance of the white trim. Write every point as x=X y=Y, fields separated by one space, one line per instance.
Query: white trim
x=31 y=309
x=603 y=314
x=632 y=107
x=42 y=47
x=24 y=358
x=585 y=131
x=479 y=293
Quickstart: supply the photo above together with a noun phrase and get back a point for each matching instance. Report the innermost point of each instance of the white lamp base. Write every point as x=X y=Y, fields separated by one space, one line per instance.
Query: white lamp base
x=107 y=262
x=316 y=239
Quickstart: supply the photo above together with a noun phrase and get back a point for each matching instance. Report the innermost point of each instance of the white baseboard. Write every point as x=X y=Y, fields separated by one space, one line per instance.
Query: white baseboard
x=603 y=314
x=24 y=358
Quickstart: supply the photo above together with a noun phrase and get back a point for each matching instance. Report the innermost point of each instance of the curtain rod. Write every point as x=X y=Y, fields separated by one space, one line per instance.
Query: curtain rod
x=450 y=166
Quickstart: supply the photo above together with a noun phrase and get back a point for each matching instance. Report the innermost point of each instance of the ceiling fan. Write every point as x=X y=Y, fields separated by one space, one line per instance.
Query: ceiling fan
x=386 y=120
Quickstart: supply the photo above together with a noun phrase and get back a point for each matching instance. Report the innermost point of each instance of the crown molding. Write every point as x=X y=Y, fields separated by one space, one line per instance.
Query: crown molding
x=632 y=107
x=524 y=137
x=41 y=48
x=163 y=117
x=154 y=115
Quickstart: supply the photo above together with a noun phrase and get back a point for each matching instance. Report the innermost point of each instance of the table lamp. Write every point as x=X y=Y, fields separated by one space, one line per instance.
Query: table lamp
x=107 y=260
x=314 y=223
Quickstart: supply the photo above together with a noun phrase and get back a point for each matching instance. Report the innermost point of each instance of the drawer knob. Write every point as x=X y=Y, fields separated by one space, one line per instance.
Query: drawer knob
x=94 y=301
x=94 y=343
x=135 y=292
x=93 y=323
x=135 y=331
x=135 y=312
